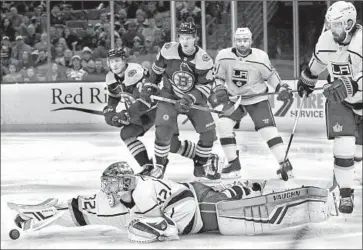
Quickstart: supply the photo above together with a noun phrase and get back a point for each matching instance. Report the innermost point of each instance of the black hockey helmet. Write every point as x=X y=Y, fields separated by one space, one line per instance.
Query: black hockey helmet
x=112 y=53
x=187 y=28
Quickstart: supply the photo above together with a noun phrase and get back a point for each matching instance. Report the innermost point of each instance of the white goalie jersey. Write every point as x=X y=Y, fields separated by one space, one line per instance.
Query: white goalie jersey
x=341 y=60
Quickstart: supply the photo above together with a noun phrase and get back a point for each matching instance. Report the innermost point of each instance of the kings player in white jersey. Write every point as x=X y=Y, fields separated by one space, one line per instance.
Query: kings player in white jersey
x=150 y=209
x=339 y=50
x=242 y=70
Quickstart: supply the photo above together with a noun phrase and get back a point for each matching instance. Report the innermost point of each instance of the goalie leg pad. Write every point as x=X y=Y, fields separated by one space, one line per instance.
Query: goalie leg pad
x=267 y=213
x=147 y=230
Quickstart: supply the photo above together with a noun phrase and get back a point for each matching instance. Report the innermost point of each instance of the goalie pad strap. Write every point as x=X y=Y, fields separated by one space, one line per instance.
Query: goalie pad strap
x=272 y=211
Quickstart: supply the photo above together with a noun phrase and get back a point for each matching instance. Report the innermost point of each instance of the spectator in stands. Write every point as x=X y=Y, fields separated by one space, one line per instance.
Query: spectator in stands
x=59 y=55
x=5 y=48
x=122 y=16
x=29 y=75
x=5 y=58
x=7 y=29
x=59 y=30
x=140 y=20
x=150 y=30
x=19 y=48
x=159 y=38
x=100 y=51
x=76 y=72
x=118 y=43
x=86 y=58
x=42 y=45
x=119 y=28
x=166 y=29
x=56 y=16
x=99 y=70
x=31 y=38
x=40 y=58
x=149 y=47
x=131 y=33
x=63 y=42
x=191 y=10
x=137 y=46
x=41 y=75
x=104 y=21
x=68 y=54
x=159 y=19
x=67 y=13
x=151 y=9
x=15 y=18
x=70 y=37
x=56 y=74
x=13 y=76
x=90 y=38
x=26 y=61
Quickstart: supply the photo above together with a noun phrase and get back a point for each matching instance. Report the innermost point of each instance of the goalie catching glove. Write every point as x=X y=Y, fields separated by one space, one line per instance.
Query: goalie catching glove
x=116 y=119
x=340 y=89
x=147 y=230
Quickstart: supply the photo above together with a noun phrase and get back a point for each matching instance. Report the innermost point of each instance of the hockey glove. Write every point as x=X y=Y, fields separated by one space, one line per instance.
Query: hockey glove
x=340 y=89
x=220 y=96
x=147 y=90
x=285 y=92
x=306 y=83
x=116 y=119
x=184 y=104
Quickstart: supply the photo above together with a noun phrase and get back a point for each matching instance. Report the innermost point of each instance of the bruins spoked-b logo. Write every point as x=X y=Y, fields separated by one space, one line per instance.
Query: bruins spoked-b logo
x=239 y=77
x=183 y=80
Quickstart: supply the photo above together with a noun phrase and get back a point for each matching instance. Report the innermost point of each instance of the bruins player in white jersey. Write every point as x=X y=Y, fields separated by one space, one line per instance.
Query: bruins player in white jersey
x=150 y=209
x=125 y=83
x=242 y=70
x=339 y=50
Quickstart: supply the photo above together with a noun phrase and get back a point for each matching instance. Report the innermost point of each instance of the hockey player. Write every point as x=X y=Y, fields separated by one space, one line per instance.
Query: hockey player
x=125 y=83
x=188 y=78
x=339 y=49
x=156 y=210
x=242 y=70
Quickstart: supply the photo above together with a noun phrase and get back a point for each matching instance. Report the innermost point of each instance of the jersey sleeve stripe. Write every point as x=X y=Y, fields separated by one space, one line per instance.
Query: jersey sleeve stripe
x=163 y=183
x=158 y=70
x=317 y=58
x=355 y=53
x=260 y=63
x=147 y=210
x=76 y=214
x=205 y=89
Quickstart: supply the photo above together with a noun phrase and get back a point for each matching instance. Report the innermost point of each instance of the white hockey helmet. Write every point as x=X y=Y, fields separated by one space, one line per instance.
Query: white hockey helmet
x=243 y=33
x=341 y=11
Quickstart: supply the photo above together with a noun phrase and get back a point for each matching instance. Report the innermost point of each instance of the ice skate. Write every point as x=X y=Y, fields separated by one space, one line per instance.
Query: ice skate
x=285 y=170
x=209 y=172
x=232 y=171
x=156 y=170
x=346 y=203
x=35 y=217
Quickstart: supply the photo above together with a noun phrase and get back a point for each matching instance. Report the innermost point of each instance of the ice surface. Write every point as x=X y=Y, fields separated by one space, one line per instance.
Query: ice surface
x=36 y=166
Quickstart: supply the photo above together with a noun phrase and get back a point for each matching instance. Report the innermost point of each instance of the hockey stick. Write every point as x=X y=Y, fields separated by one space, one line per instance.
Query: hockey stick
x=206 y=109
x=271 y=93
x=295 y=124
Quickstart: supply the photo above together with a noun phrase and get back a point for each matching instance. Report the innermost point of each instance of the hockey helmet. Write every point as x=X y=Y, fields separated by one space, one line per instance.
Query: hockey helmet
x=243 y=33
x=117 y=179
x=187 y=28
x=342 y=12
x=116 y=60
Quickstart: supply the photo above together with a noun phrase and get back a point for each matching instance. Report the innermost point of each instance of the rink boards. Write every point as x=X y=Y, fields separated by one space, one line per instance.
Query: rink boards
x=78 y=105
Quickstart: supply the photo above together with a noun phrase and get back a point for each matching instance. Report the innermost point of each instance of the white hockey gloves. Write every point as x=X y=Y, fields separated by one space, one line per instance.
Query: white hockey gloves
x=147 y=230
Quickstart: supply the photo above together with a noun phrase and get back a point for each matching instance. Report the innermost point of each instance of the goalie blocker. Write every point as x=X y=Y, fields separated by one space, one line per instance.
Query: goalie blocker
x=267 y=213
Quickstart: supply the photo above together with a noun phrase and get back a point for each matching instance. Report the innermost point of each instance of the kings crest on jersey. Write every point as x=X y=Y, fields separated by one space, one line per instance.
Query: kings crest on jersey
x=126 y=85
x=183 y=72
x=341 y=60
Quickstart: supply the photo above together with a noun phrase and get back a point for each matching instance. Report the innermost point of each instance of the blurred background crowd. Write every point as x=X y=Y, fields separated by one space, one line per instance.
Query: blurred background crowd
x=80 y=34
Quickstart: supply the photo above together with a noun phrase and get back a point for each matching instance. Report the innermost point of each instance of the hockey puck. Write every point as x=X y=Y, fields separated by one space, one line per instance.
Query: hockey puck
x=14 y=234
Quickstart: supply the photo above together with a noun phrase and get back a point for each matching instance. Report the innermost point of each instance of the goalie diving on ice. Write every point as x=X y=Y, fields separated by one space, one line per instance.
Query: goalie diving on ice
x=150 y=209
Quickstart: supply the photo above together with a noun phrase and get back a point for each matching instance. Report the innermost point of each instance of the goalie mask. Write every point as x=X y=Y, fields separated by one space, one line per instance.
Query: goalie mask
x=116 y=60
x=243 y=40
x=117 y=180
x=337 y=20
x=187 y=35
